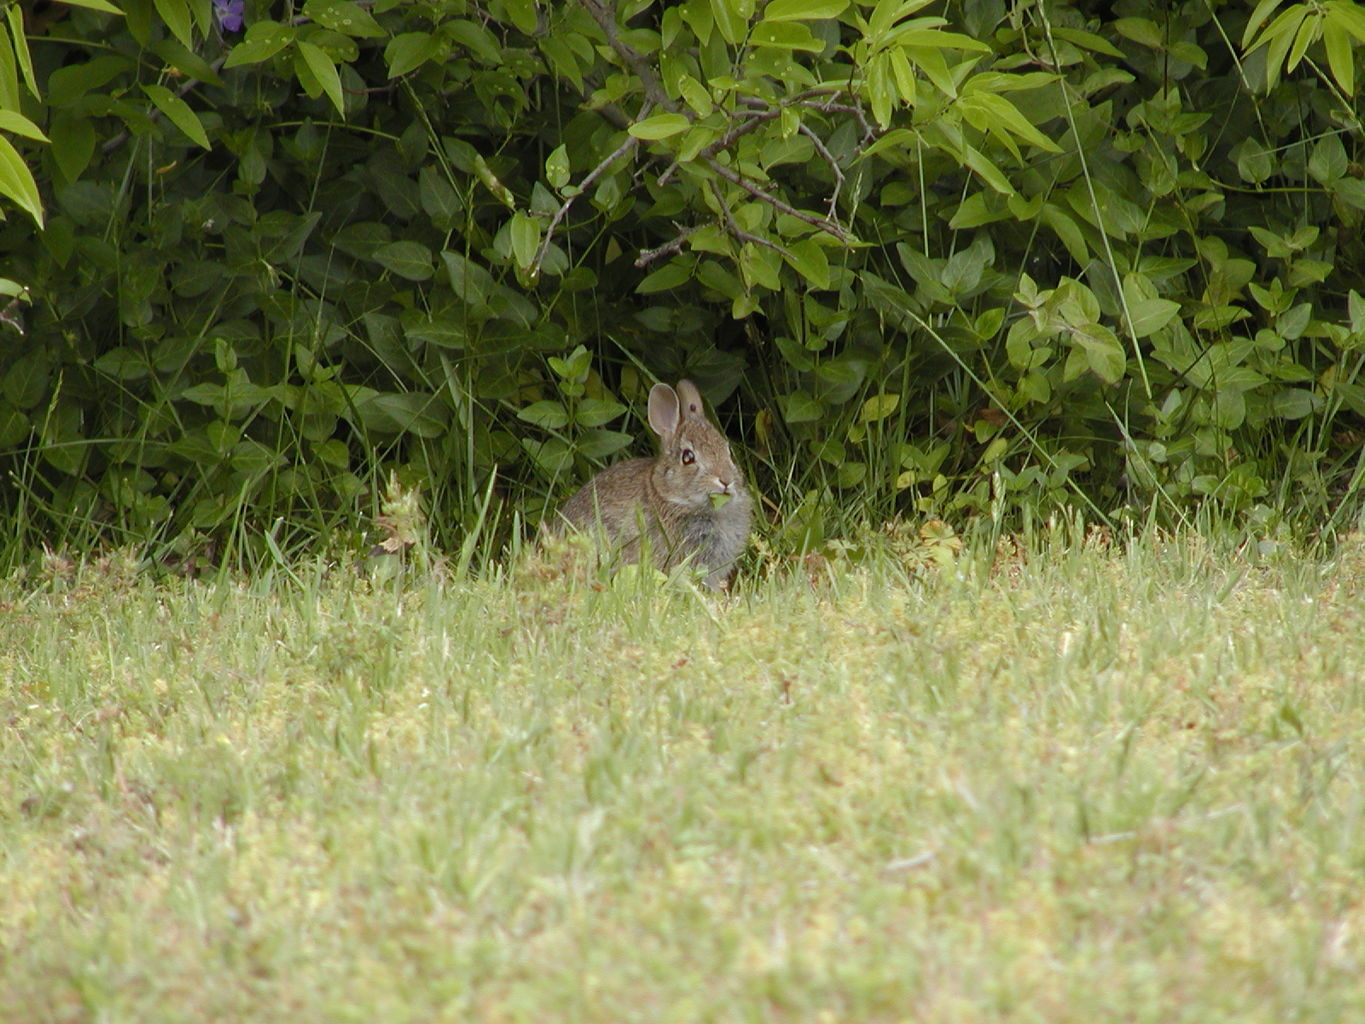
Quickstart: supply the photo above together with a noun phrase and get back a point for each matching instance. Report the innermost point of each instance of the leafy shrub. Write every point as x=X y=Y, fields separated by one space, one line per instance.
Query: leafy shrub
x=934 y=256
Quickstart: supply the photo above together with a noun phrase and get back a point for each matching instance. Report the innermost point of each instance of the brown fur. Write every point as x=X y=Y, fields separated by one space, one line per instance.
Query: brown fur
x=664 y=504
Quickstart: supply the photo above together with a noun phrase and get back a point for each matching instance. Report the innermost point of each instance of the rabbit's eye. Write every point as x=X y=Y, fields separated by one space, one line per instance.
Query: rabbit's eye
x=688 y=456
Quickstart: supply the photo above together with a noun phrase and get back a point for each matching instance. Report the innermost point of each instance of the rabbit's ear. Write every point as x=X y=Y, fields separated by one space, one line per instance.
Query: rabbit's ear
x=691 y=401
x=664 y=413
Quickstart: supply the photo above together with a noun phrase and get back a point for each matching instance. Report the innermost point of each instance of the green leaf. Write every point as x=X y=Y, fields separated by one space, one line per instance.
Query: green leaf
x=695 y=95
x=598 y=444
x=1149 y=313
x=888 y=12
x=761 y=267
x=123 y=363
x=469 y=281
x=1067 y=230
x=1103 y=353
x=785 y=36
x=523 y=15
x=180 y=59
x=1328 y=162
x=476 y=39
x=262 y=41
x=179 y=113
x=557 y=167
x=732 y=18
x=525 y=232
x=9 y=74
x=878 y=407
x=1255 y=163
x=345 y=17
x=977 y=209
x=324 y=71
x=671 y=275
x=68 y=84
x=1349 y=16
x=178 y=18
x=1141 y=30
x=799 y=407
x=1355 y=308
x=1087 y=41
x=803 y=10
x=411 y=413
x=1001 y=112
x=660 y=126
x=904 y=77
x=14 y=426
x=439 y=200
x=19 y=38
x=1258 y=16
x=808 y=259
x=594 y=412
x=987 y=170
x=102 y=6
x=829 y=450
x=446 y=332
x=1307 y=34
x=574 y=369
x=962 y=271
x=408 y=51
x=16 y=181
x=13 y=121
x=1228 y=408
x=880 y=90
x=547 y=414
x=409 y=260
x=1279 y=36
x=25 y=383
x=1340 y=55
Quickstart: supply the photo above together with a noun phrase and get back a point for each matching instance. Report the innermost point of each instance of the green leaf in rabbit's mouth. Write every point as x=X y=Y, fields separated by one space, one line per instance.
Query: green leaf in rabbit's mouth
x=719 y=499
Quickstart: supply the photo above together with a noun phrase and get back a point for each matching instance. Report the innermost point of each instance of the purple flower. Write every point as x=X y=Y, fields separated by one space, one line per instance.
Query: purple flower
x=229 y=14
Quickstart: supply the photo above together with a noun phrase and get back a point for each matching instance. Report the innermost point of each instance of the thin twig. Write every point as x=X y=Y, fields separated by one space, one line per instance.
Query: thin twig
x=620 y=151
x=767 y=113
x=739 y=233
x=823 y=223
x=751 y=122
x=605 y=15
x=828 y=157
x=648 y=256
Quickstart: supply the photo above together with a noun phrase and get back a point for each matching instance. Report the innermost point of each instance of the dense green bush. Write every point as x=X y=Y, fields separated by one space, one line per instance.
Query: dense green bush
x=925 y=256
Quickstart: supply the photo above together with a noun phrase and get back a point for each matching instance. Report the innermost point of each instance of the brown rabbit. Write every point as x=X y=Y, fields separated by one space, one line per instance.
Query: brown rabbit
x=689 y=502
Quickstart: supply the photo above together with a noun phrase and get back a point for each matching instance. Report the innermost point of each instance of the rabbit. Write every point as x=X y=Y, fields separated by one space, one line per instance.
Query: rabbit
x=665 y=504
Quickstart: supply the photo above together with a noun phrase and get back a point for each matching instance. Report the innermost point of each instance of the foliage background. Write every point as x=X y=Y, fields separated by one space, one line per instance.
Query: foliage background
x=953 y=257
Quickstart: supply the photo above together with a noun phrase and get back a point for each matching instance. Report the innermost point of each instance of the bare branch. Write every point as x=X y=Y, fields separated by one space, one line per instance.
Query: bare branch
x=648 y=256
x=620 y=151
x=767 y=112
x=843 y=108
x=824 y=224
x=828 y=157
x=604 y=13
x=739 y=233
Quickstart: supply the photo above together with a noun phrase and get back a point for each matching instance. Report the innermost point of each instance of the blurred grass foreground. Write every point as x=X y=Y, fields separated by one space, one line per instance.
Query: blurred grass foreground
x=1071 y=781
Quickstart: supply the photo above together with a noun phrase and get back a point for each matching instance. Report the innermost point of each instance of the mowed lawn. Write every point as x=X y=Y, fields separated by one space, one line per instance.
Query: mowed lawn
x=1080 y=782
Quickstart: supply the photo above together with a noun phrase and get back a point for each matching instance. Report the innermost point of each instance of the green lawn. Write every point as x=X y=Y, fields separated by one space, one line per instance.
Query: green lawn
x=1089 y=783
